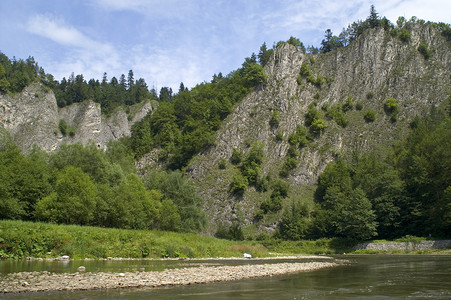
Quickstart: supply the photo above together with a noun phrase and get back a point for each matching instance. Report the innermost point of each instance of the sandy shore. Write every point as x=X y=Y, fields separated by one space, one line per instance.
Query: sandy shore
x=45 y=281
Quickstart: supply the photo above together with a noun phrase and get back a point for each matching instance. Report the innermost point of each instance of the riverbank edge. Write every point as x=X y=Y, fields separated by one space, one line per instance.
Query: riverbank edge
x=49 y=282
x=407 y=246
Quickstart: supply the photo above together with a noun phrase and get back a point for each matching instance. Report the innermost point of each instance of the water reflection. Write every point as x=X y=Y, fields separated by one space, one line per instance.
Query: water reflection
x=368 y=277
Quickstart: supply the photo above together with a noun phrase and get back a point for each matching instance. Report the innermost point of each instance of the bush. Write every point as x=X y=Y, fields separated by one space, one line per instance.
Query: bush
x=370 y=116
x=289 y=164
x=311 y=115
x=390 y=106
x=275 y=118
x=423 y=49
x=298 y=138
x=359 y=105
x=348 y=105
x=63 y=127
x=404 y=35
x=305 y=70
x=271 y=205
x=318 y=81
x=336 y=113
x=318 y=126
x=236 y=157
x=239 y=184
x=222 y=164
x=232 y=232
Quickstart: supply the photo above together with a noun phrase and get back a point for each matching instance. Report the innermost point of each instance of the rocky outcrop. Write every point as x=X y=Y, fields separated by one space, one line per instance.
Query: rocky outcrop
x=373 y=68
x=32 y=118
x=405 y=246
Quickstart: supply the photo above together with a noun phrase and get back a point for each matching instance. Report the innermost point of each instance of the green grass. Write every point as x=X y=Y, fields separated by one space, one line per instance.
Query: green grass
x=321 y=246
x=20 y=239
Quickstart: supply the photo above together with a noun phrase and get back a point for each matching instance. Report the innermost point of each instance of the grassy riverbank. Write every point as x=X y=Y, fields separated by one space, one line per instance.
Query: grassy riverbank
x=20 y=239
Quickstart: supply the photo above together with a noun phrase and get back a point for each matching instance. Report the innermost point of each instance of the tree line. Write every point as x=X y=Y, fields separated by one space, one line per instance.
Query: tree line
x=85 y=185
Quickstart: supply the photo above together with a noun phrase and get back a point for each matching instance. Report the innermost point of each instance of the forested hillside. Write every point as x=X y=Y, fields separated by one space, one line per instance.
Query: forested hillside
x=351 y=139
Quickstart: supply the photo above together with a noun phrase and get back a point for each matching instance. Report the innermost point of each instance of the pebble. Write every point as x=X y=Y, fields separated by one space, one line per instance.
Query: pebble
x=45 y=281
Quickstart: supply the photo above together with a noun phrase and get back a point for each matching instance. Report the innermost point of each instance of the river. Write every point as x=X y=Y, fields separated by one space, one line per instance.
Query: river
x=366 y=277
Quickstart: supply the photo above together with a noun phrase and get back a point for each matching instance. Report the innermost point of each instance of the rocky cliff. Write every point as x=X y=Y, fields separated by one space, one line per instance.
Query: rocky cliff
x=32 y=117
x=373 y=68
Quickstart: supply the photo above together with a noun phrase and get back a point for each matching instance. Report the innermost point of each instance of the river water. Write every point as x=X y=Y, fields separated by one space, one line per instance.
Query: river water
x=366 y=277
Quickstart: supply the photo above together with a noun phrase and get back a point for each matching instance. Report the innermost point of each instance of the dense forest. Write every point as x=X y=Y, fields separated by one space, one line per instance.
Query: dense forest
x=404 y=190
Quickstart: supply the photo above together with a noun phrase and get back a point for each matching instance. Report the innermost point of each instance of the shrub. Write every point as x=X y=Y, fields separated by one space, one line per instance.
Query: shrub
x=404 y=35
x=298 y=138
x=423 y=49
x=305 y=70
x=63 y=127
x=318 y=126
x=370 y=95
x=390 y=106
x=236 y=157
x=275 y=118
x=311 y=115
x=232 y=232
x=359 y=105
x=298 y=80
x=271 y=205
x=222 y=164
x=336 y=113
x=370 y=116
x=289 y=164
x=279 y=136
x=71 y=131
x=348 y=105
x=239 y=184
x=280 y=189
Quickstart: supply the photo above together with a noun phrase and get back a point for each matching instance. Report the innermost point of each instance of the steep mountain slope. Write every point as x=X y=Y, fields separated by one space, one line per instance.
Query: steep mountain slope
x=33 y=117
x=375 y=67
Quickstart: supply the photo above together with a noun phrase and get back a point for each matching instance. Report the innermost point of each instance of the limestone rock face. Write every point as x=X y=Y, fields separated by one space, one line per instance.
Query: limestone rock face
x=373 y=68
x=32 y=117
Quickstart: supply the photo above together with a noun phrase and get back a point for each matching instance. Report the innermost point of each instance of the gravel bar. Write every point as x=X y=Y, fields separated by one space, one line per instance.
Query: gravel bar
x=46 y=281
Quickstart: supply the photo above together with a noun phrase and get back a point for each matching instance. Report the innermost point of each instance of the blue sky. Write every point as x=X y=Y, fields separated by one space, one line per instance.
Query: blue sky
x=171 y=41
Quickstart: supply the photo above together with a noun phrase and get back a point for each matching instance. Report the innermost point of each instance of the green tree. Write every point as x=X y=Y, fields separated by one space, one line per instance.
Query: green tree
x=133 y=206
x=183 y=194
x=373 y=20
x=330 y=43
x=294 y=224
x=264 y=55
x=297 y=43
x=169 y=216
x=23 y=180
x=73 y=201
x=252 y=74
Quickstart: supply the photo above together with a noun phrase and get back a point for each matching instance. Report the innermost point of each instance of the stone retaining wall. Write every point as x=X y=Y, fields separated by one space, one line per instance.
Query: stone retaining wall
x=405 y=246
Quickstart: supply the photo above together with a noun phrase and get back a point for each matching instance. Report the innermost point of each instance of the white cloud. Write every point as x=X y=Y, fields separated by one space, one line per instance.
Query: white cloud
x=431 y=10
x=81 y=54
x=169 y=67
